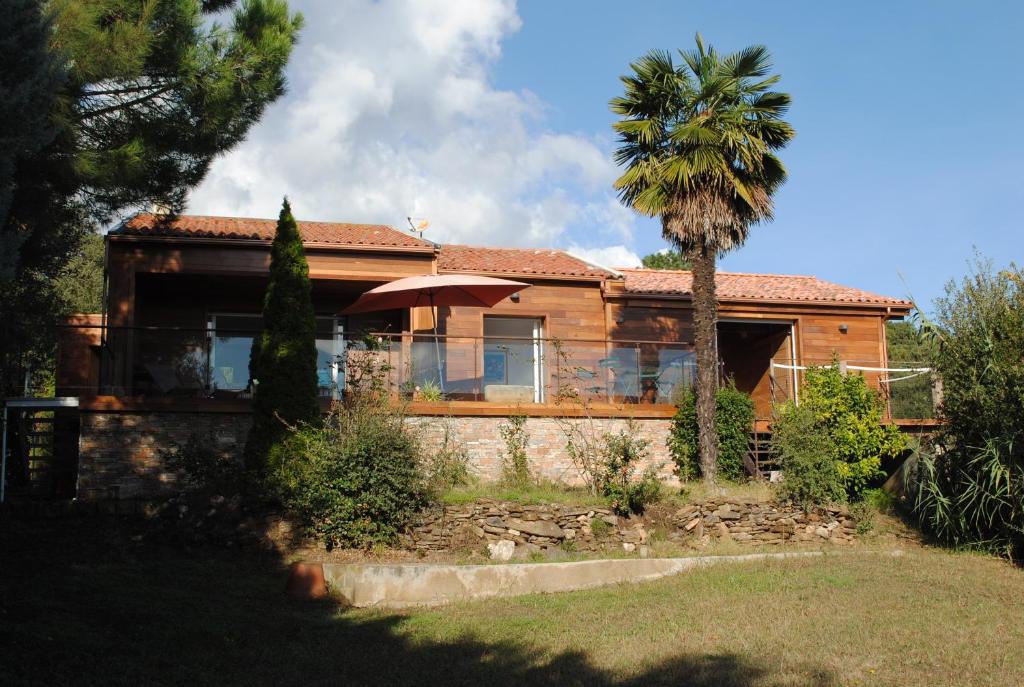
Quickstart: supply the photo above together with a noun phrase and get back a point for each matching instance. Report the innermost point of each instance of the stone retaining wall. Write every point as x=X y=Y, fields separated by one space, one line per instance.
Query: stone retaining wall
x=514 y=530
x=547 y=455
x=119 y=453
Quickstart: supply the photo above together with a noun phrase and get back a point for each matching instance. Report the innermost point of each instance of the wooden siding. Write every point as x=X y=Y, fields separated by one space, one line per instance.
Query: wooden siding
x=168 y=283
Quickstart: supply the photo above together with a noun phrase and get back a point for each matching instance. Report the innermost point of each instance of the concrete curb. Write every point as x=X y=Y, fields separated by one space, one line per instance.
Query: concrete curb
x=403 y=586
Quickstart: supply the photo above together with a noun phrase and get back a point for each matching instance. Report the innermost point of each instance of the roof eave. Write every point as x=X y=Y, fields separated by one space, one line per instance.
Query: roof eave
x=884 y=305
x=528 y=275
x=265 y=243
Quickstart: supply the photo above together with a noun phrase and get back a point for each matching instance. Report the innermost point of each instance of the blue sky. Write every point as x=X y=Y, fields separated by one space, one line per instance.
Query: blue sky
x=491 y=119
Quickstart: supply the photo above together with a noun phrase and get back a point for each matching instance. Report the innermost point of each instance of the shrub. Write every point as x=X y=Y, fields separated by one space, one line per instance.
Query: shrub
x=202 y=466
x=355 y=479
x=282 y=362
x=848 y=414
x=516 y=466
x=734 y=418
x=970 y=489
x=619 y=457
x=448 y=466
x=810 y=474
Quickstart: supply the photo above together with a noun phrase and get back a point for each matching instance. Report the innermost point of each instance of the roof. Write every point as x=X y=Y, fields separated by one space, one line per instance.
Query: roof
x=762 y=287
x=522 y=261
x=245 y=228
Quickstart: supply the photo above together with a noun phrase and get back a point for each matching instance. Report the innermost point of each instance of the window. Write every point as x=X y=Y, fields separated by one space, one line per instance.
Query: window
x=231 y=338
x=514 y=362
x=231 y=342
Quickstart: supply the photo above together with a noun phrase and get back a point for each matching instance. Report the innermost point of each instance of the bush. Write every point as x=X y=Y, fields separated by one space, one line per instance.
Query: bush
x=448 y=466
x=202 y=466
x=355 y=479
x=970 y=492
x=848 y=414
x=516 y=465
x=615 y=479
x=809 y=471
x=734 y=418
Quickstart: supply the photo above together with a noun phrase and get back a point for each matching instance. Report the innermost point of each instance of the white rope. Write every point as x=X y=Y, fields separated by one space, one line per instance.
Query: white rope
x=888 y=380
x=920 y=370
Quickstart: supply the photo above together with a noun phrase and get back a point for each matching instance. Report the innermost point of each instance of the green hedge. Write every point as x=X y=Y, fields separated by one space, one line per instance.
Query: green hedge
x=734 y=419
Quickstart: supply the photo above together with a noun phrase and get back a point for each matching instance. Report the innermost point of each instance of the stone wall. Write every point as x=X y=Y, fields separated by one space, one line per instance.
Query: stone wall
x=119 y=453
x=547 y=455
x=510 y=529
x=122 y=449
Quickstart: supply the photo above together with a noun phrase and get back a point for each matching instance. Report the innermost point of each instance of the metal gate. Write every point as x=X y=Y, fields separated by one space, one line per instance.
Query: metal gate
x=40 y=449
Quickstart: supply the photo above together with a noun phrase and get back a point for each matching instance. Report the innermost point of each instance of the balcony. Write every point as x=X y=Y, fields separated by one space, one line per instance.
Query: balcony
x=428 y=371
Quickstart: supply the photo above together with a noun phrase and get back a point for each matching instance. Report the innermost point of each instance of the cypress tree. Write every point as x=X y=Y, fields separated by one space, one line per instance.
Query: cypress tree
x=283 y=358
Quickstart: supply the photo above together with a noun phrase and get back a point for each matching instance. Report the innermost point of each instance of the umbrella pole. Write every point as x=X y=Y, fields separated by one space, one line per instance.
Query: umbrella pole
x=437 y=344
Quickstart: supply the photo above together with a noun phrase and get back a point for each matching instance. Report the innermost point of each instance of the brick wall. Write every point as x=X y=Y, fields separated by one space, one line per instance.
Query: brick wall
x=122 y=450
x=546 y=452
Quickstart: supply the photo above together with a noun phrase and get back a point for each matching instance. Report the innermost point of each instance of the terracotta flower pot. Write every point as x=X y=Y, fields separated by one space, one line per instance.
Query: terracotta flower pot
x=306 y=581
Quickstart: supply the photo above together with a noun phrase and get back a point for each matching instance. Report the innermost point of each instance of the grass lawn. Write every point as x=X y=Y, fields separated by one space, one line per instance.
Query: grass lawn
x=82 y=605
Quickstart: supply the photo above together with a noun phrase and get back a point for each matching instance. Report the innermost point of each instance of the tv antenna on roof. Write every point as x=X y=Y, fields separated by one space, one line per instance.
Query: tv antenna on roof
x=418 y=225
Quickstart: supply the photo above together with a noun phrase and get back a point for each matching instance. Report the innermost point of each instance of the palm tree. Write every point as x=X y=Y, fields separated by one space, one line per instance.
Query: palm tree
x=698 y=142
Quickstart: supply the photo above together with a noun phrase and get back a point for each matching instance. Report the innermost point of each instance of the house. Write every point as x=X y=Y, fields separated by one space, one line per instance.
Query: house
x=169 y=356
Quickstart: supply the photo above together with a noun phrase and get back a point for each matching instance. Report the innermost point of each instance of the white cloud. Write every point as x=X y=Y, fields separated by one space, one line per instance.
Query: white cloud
x=391 y=112
x=610 y=256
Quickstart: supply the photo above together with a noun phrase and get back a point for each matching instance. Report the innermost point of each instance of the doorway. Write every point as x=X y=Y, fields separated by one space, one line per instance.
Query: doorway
x=513 y=359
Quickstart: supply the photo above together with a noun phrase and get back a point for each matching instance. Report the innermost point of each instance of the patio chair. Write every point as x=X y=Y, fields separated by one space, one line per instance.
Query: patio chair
x=675 y=369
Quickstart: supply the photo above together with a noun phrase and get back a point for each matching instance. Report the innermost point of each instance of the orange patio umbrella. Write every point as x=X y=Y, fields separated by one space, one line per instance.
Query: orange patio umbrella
x=436 y=290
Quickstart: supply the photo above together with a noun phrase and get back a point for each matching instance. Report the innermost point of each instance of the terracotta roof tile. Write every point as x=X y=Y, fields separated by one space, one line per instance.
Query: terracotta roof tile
x=199 y=226
x=740 y=286
x=523 y=261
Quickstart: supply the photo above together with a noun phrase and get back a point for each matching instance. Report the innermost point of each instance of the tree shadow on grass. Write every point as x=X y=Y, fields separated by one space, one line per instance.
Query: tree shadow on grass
x=81 y=607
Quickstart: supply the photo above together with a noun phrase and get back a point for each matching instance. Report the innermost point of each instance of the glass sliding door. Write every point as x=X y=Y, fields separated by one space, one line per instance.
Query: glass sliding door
x=513 y=359
x=330 y=349
x=231 y=337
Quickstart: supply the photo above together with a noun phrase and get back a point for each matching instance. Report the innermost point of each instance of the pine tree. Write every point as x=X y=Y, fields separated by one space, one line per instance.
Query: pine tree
x=283 y=358
x=107 y=106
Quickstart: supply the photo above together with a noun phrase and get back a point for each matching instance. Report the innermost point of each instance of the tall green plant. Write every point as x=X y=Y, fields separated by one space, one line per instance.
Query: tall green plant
x=698 y=141
x=282 y=362
x=734 y=419
x=971 y=491
x=356 y=479
x=108 y=106
x=848 y=413
x=516 y=465
x=810 y=474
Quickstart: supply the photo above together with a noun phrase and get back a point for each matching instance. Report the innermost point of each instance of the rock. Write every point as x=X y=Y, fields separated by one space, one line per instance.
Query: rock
x=725 y=512
x=217 y=500
x=742 y=536
x=823 y=532
x=540 y=528
x=628 y=547
x=495 y=521
x=685 y=512
x=502 y=550
x=570 y=534
x=690 y=525
x=645 y=551
x=631 y=536
x=514 y=532
x=722 y=531
x=612 y=520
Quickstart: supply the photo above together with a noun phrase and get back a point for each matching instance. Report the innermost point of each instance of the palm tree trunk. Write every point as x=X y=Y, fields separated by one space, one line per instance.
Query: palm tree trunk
x=705 y=316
